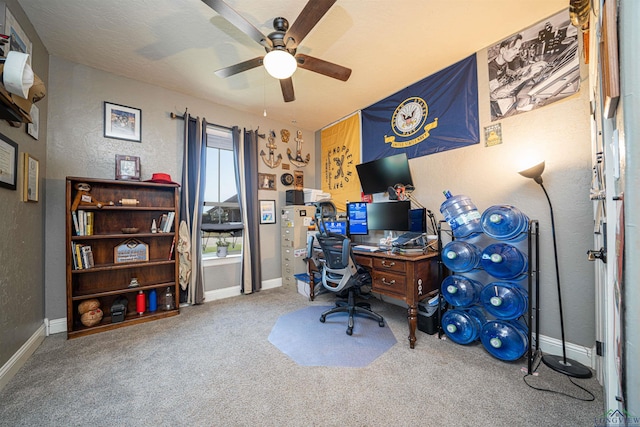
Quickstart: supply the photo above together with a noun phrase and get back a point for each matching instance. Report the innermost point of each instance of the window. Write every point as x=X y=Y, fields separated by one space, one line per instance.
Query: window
x=221 y=216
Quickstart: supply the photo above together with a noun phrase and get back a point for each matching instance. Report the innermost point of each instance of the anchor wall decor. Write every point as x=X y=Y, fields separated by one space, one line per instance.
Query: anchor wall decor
x=298 y=160
x=271 y=160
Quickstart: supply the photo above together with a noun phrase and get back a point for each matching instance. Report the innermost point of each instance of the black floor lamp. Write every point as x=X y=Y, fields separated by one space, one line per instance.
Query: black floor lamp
x=558 y=363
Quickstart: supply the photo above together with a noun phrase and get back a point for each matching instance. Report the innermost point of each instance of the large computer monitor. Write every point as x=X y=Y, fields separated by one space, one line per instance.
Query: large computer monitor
x=378 y=175
x=393 y=216
x=357 y=215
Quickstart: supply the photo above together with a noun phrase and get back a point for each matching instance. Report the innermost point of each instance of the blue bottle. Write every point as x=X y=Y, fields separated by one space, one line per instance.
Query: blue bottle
x=461 y=291
x=505 y=222
x=460 y=256
x=504 y=261
x=153 y=300
x=505 y=339
x=461 y=215
x=504 y=300
x=463 y=326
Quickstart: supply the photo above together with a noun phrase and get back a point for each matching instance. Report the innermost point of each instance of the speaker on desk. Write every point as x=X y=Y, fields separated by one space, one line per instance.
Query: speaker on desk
x=294 y=197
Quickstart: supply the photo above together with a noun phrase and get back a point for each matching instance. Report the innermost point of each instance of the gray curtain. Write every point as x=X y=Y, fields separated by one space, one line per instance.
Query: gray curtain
x=246 y=158
x=193 y=179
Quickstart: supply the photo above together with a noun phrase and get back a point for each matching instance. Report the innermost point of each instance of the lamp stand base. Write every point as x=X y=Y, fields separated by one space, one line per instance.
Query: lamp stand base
x=566 y=366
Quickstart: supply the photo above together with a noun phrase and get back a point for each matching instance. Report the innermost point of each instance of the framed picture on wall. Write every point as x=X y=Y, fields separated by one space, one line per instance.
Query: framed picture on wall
x=122 y=122
x=8 y=162
x=267 y=211
x=31 y=178
x=32 y=128
x=266 y=181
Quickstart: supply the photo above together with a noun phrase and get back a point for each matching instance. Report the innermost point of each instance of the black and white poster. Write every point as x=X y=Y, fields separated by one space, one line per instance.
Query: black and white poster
x=534 y=67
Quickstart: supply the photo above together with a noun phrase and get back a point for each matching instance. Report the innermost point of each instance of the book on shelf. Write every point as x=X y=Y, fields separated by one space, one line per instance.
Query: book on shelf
x=162 y=223
x=78 y=256
x=76 y=225
x=89 y=225
x=82 y=222
x=169 y=225
x=87 y=256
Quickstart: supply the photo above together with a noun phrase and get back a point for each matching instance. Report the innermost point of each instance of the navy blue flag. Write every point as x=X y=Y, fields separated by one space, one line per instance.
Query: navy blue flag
x=438 y=113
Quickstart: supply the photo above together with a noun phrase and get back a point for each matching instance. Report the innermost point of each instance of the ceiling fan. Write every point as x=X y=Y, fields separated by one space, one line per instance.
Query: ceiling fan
x=281 y=45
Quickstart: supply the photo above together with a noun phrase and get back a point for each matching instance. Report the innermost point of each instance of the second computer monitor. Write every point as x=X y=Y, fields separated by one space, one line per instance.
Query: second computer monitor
x=357 y=215
x=393 y=216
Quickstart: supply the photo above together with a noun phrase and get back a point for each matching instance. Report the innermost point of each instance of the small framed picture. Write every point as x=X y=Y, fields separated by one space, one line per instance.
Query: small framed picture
x=266 y=181
x=122 y=122
x=8 y=163
x=127 y=168
x=31 y=178
x=267 y=211
x=33 y=127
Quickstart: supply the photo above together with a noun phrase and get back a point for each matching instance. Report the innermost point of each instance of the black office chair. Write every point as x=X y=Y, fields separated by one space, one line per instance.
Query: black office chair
x=341 y=273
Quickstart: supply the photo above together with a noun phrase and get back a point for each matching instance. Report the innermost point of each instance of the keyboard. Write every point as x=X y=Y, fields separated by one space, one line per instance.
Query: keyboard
x=407 y=238
x=366 y=248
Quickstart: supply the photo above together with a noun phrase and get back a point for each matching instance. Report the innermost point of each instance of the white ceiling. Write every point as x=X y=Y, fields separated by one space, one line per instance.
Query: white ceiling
x=178 y=44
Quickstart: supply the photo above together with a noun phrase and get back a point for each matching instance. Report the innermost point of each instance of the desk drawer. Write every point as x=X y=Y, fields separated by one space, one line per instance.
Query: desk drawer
x=389 y=283
x=365 y=261
x=388 y=264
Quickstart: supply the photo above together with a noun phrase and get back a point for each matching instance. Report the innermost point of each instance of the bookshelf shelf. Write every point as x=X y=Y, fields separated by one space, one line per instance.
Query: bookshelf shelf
x=96 y=227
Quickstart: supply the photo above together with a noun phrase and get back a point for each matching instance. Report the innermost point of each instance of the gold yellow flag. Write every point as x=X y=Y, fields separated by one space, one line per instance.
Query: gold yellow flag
x=340 y=144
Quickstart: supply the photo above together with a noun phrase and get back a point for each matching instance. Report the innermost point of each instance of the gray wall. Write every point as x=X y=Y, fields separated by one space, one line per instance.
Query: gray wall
x=559 y=134
x=21 y=229
x=77 y=148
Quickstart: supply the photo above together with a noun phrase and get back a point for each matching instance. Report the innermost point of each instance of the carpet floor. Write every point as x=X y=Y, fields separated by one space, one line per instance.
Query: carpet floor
x=301 y=336
x=213 y=365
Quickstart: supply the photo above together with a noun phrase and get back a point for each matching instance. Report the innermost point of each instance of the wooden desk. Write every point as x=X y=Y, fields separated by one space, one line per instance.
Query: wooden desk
x=410 y=278
x=407 y=277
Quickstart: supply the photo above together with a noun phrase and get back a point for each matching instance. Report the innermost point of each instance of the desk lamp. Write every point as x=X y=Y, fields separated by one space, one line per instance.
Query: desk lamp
x=558 y=363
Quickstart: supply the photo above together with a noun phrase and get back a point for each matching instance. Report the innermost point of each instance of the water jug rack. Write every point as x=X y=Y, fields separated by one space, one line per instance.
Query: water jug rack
x=533 y=286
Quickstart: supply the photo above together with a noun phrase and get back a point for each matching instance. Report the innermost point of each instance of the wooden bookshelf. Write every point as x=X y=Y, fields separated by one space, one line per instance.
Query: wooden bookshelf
x=107 y=279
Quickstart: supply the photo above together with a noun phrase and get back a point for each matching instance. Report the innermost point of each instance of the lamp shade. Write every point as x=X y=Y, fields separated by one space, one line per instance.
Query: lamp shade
x=534 y=172
x=280 y=64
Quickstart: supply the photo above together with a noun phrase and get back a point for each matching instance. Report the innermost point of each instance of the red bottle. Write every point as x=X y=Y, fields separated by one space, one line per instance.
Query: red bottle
x=140 y=302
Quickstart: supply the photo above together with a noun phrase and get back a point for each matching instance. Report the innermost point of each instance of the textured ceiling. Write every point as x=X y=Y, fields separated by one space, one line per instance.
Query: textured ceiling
x=178 y=44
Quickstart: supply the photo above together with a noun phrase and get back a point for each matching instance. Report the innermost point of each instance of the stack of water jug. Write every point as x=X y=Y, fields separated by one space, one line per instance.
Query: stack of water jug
x=487 y=288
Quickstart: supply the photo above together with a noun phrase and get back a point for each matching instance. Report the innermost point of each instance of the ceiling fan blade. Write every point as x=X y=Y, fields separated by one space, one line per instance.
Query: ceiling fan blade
x=287 y=90
x=239 y=67
x=308 y=18
x=323 y=67
x=239 y=21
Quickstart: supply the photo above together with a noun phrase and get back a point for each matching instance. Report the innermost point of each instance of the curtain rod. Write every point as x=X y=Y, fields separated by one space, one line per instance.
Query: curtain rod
x=175 y=116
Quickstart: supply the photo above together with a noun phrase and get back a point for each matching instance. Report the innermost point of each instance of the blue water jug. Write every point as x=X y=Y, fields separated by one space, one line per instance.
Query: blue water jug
x=460 y=256
x=153 y=300
x=463 y=326
x=505 y=222
x=504 y=261
x=505 y=339
x=461 y=291
x=504 y=300
x=461 y=215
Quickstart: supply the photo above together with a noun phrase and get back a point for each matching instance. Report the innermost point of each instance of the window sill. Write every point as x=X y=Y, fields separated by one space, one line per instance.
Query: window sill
x=214 y=261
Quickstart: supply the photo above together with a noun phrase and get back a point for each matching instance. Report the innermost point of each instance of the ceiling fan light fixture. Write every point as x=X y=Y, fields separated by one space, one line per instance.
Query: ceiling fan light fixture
x=280 y=64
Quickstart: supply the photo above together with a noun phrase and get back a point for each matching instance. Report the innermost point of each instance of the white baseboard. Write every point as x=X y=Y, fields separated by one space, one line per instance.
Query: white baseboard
x=55 y=326
x=13 y=365
x=234 y=291
x=576 y=352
